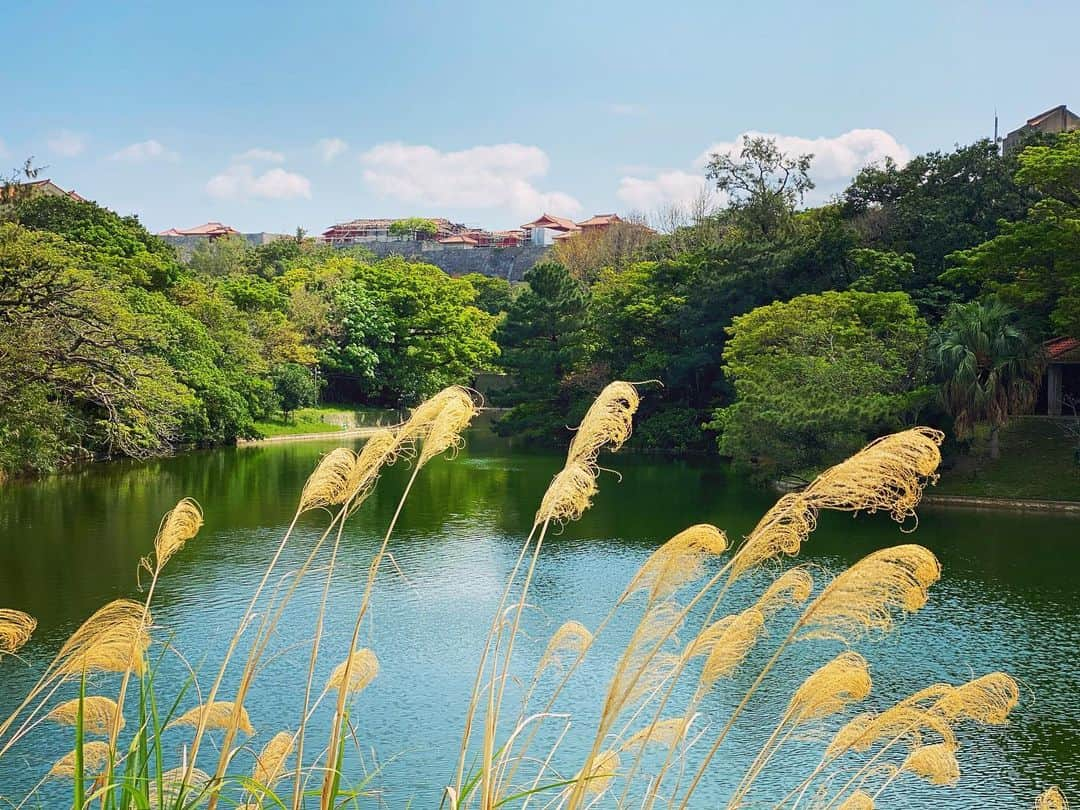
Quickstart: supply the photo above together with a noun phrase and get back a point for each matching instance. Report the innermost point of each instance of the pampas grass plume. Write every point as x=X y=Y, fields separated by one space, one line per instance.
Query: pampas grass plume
x=1051 y=799
x=679 y=561
x=608 y=422
x=215 y=715
x=95 y=757
x=180 y=524
x=726 y=643
x=859 y=800
x=935 y=763
x=988 y=699
x=328 y=484
x=601 y=773
x=113 y=639
x=362 y=667
x=831 y=689
x=569 y=495
x=99 y=713
x=568 y=642
x=865 y=596
x=270 y=763
x=16 y=628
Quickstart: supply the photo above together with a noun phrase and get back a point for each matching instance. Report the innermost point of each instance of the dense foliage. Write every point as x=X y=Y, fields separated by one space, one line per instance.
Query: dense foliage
x=112 y=344
x=861 y=283
x=820 y=373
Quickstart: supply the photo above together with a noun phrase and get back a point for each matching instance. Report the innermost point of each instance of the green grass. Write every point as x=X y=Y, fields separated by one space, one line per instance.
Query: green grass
x=320 y=419
x=1037 y=462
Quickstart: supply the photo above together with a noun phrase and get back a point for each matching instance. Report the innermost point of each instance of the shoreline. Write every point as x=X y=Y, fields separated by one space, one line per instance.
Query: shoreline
x=351 y=433
x=1005 y=504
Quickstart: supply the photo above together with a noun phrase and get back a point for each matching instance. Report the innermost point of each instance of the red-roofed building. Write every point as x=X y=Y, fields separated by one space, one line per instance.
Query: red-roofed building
x=460 y=240
x=359 y=231
x=1062 y=373
x=211 y=230
x=599 y=222
x=547 y=228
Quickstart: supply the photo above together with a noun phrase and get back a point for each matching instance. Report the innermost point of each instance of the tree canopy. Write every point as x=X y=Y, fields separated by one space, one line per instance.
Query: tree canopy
x=817 y=376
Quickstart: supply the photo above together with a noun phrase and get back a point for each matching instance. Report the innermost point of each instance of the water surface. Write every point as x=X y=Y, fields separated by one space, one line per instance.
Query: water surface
x=1008 y=600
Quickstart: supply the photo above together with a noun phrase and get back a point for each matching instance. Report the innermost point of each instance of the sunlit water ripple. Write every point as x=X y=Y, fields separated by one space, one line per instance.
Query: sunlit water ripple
x=1008 y=600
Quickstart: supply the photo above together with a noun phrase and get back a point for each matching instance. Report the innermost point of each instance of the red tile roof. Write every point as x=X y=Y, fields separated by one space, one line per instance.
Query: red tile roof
x=206 y=229
x=459 y=239
x=1059 y=347
x=597 y=220
x=552 y=222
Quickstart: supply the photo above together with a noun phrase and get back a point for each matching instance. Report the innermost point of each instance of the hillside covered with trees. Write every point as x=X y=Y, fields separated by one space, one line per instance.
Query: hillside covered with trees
x=111 y=346
x=787 y=336
x=779 y=335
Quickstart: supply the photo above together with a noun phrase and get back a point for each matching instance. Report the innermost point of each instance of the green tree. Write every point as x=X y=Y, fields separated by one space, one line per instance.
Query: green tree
x=417 y=227
x=987 y=367
x=493 y=294
x=406 y=330
x=881 y=270
x=121 y=242
x=936 y=203
x=78 y=377
x=816 y=376
x=764 y=185
x=295 y=387
x=1034 y=263
x=543 y=340
x=220 y=257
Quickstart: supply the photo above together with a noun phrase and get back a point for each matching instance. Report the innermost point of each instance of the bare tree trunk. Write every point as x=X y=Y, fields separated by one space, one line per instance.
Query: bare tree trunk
x=995 y=447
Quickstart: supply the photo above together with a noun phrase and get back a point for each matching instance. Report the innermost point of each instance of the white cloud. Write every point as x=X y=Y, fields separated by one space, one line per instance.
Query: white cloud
x=838 y=158
x=330 y=148
x=263 y=155
x=626 y=109
x=666 y=188
x=67 y=144
x=144 y=151
x=242 y=182
x=497 y=176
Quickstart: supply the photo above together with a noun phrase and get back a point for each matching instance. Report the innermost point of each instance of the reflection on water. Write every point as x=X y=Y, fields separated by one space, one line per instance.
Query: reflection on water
x=1008 y=600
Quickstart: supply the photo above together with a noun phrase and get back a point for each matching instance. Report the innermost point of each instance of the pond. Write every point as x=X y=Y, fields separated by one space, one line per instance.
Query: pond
x=1008 y=600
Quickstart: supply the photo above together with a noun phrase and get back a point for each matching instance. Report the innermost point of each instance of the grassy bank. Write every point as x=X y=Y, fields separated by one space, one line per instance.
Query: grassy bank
x=328 y=418
x=1037 y=462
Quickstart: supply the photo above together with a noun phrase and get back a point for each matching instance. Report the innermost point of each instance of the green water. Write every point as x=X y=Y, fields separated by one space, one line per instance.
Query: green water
x=1008 y=600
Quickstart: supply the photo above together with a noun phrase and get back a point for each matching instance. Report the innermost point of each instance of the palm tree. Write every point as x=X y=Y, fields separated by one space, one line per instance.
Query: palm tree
x=988 y=368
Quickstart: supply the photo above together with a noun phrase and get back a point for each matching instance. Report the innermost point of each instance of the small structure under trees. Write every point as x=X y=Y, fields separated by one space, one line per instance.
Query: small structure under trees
x=1062 y=374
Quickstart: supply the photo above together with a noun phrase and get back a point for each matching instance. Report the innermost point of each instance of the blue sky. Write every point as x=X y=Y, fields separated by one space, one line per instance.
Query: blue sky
x=268 y=115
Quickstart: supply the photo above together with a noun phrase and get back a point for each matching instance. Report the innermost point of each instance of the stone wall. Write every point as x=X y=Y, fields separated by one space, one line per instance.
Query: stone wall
x=510 y=263
x=186 y=244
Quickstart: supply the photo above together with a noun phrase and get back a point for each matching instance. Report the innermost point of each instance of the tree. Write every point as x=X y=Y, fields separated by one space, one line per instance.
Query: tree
x=987 y=367
x=764 y=185
x=220 y=257
x=1034 y=263
x=933 y=205
x=406 y=330
x=493 y=294
x=295 y=387
x=416 y=227
x=585 y=254
x=816 y=376
x=77 y=376
x=543 y=340
x=121 y=242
